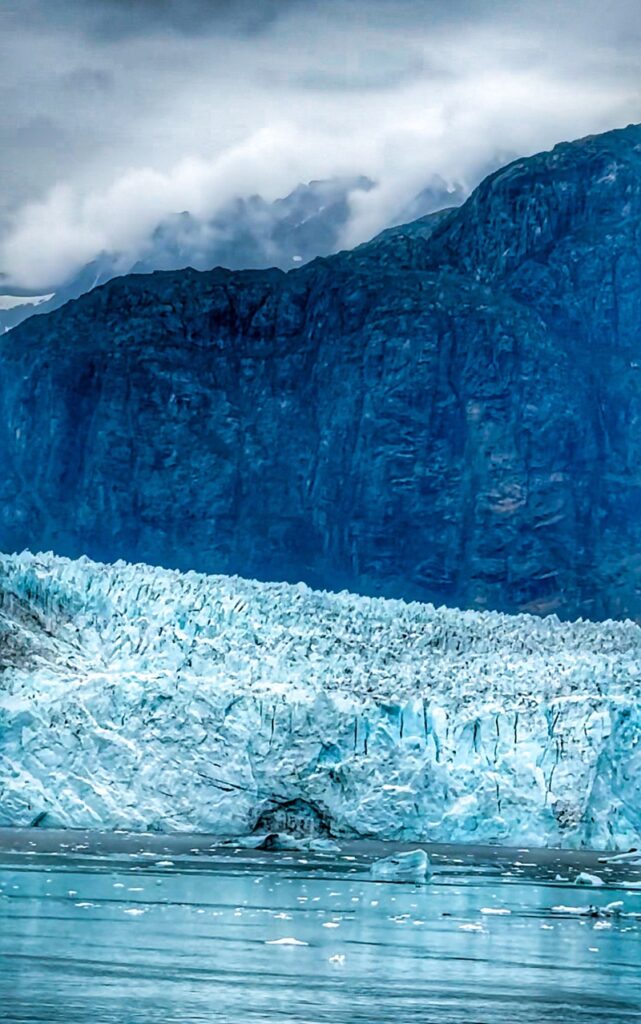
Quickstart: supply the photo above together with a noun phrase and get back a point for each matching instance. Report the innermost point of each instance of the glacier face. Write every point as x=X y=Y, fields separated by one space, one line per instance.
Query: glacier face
x=144 y=698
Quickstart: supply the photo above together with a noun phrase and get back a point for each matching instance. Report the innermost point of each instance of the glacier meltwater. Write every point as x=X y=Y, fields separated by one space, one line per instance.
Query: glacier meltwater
x=141 y=698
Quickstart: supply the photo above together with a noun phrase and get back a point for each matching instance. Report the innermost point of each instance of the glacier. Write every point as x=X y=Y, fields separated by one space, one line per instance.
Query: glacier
x=148 y=699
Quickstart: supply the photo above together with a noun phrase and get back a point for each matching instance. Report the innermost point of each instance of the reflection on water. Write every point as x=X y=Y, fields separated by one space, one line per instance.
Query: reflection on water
x=136 y=938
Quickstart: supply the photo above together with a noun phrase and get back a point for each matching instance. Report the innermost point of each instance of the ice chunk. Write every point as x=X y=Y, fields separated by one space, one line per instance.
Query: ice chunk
x=287 y=941
x=585 y=878
x=613 y=909
x=280 y=841
x=411 y=866
x=631 y=857
x=276 y=841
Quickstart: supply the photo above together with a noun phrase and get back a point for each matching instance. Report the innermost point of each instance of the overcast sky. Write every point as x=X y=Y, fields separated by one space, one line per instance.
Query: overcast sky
x=115 y=113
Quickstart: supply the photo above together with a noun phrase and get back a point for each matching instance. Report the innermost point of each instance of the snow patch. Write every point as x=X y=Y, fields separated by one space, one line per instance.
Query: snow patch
x=13 y=301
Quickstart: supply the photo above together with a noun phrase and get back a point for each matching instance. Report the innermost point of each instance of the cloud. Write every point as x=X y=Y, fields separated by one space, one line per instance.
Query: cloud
x=87 y=79
x=117 y=20
x=114 y=114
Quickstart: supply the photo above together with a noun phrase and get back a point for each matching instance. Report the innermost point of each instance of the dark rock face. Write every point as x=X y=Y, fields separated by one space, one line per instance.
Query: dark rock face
x=452 y=412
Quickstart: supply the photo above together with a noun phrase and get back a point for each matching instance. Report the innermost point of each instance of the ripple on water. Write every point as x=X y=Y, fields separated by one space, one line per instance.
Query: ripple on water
x=211 y=939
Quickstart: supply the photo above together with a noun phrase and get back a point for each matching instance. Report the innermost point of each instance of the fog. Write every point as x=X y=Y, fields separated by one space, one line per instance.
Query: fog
x=115 y=114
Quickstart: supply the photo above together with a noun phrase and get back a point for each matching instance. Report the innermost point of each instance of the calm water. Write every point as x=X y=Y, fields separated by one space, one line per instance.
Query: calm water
x=134 y=932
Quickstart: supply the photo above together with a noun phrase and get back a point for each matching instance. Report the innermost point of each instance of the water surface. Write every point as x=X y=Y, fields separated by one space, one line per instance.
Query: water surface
x=117 y=929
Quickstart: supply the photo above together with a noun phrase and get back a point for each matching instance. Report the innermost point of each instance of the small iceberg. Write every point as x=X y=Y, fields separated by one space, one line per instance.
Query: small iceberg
x=613 y=909
x=631 y=857
x=289 y=940
x=585 y=878
x=412 y=866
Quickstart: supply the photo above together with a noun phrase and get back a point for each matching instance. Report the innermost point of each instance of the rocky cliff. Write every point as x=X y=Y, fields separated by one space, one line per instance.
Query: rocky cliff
x=452 y=412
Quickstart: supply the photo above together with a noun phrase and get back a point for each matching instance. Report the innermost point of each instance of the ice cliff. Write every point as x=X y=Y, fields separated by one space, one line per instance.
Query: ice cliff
x=144 y=698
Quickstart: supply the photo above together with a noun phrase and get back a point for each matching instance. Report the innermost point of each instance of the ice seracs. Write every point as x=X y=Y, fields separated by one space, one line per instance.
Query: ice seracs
x=141 y=698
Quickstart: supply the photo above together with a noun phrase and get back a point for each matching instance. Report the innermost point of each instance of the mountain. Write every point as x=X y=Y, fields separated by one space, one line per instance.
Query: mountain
x=451 y=413
x=246 y=233
x=139 y=698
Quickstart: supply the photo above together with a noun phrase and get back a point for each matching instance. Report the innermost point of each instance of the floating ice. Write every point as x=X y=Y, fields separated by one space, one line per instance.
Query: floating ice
x=287 y=941
x=141 y=698
x=278 y=841
x=585 y=878
x=631 y=857
x=613 y=909
x=413 y=865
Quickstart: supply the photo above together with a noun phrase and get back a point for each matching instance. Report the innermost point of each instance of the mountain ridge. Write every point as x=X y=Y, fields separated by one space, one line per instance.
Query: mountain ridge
x=443 y=417
x=247 y=233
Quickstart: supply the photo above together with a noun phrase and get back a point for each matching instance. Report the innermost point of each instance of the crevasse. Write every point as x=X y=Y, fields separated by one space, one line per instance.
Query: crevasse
x=143 y=698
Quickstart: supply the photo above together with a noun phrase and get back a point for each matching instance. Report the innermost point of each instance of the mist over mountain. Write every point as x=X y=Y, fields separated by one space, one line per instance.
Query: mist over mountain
x=451 y=412
x=116 y=117
x=249 y=233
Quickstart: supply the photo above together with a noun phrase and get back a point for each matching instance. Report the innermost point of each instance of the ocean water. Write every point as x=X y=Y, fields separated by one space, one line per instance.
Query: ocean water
x=143 y=930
